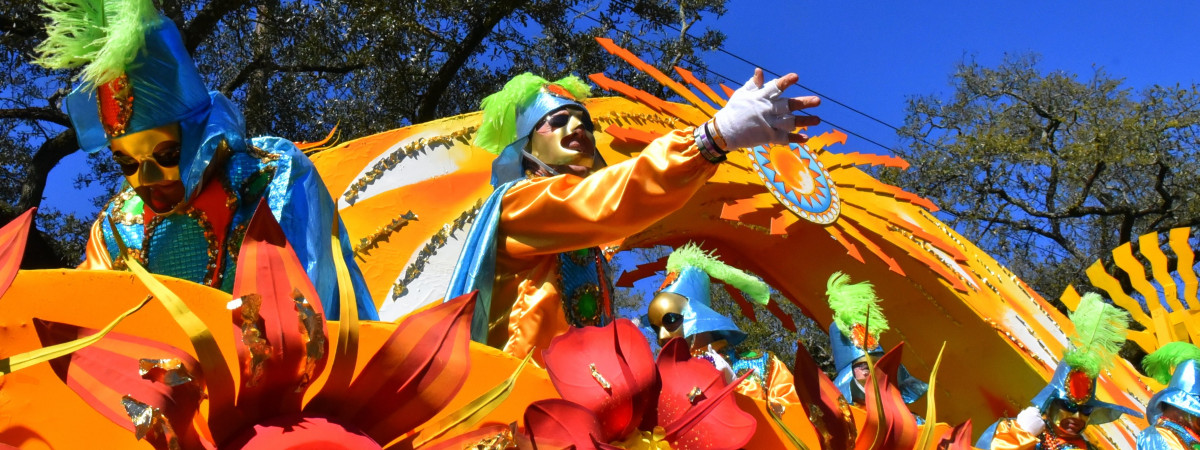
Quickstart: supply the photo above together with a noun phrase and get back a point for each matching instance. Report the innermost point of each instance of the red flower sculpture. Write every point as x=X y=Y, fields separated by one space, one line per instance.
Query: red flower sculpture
x=615 y=396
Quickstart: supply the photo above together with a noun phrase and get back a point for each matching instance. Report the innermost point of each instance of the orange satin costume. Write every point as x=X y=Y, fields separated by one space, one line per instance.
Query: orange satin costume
x=542 y=217
x=778 y=386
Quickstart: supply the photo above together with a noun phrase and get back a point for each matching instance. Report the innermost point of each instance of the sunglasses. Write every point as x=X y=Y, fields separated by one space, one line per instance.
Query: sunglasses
x=562 y=118
x=1081 y=409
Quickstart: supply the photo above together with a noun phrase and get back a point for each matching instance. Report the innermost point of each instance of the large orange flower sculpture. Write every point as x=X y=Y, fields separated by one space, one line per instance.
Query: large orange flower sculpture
x=156 y=390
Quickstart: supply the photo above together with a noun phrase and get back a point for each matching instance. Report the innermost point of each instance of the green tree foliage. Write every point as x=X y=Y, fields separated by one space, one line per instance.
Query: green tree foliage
x=1049 y=171
x=297 y=68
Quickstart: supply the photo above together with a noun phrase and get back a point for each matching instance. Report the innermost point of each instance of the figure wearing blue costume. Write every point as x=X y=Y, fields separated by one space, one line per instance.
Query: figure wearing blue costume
x=1174 y=412
x=849 y=336
x=533 y=253
x=193 y=179
x=683 y=308
x=1068 y=404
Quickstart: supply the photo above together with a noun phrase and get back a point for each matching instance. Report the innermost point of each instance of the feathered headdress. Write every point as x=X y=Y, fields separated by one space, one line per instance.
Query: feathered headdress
x=1100 y=330
x=104 y=36
x=503 y=110
x=856 y=307
x=1161 y=364
x=691 y=255
x=1099 y=333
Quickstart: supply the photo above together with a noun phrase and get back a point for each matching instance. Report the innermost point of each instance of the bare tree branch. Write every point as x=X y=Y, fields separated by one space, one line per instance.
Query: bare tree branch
x=427 y=108
x=266 y=66
x=45 y=114
x=206 y=20
x=47 y=156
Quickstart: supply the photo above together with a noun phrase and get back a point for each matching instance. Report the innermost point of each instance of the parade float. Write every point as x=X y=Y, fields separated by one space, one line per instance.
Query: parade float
x=187 y=366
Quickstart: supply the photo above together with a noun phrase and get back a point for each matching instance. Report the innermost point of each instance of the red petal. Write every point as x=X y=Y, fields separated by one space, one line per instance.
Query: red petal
x=817 y=390
x=714 y=419
x=557 y=423
x=413 y=376
x=12 y=247
x=269 y=269
x=896 y=427
x=107 y=371
x=959 y=438
x=622 y=357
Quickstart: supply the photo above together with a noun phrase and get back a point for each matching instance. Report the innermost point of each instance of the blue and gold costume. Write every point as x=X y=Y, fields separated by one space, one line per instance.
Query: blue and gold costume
x=224 y=175
x=1071 y=394
x=1174 y=412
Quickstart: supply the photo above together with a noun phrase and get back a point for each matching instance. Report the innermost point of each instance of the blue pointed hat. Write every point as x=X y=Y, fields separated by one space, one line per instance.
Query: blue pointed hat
x=689 y=269
x=1100 y=330
x=1183 y=385
x=510 y=115
x=157 y=85
x=857 y=322
x=1060 y=388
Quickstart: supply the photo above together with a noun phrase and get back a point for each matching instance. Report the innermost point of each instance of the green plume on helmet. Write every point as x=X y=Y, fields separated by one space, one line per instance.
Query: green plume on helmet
x=1100 y=330
x=691 y=255
x=1161 y=364
x=498 y=128
x=852 y=302
x=104 y=36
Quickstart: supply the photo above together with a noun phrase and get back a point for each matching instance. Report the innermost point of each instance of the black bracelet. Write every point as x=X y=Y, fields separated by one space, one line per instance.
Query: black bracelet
x=704 y=143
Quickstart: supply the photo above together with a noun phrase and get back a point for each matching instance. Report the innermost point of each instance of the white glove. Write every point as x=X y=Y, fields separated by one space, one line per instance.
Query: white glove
x=1030 y=419
x=755 y=115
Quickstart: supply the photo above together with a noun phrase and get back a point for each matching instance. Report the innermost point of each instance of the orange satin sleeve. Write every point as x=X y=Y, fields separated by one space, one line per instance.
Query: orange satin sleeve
x=96 y=255
x=563 y=213
x=781 y=385
x=1009 y=436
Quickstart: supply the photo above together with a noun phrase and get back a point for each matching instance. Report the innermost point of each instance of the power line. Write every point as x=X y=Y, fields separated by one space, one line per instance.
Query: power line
x=775 y=74
x=738 y=83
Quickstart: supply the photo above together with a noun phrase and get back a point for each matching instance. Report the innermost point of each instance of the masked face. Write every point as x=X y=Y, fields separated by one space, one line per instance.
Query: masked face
x=666 y=316
x=1068 y=420
x=150 y=161
x=564 y=141
x=861 y=371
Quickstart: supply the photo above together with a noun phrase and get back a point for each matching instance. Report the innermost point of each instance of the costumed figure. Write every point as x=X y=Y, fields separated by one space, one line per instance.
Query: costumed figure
x=1066 y=406
x=857 y=323
x=533 y=251
x=683 y=308
x=193 y=179
x=1174 y=412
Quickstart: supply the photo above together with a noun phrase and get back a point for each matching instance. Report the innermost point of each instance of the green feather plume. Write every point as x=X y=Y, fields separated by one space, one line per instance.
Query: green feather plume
x=102 y=35
x=1100 y=330
x=852 y=302
x=498 y=128
x=1161 y=364
x=691 y=255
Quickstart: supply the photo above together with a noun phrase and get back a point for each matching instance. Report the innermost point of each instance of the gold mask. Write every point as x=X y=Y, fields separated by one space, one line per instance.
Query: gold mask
x=666 y=315
x=564 y=138
x=150 y=161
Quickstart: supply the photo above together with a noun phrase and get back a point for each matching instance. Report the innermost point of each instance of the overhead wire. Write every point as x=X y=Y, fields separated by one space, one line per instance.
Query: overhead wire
x=773 y=73
x=738 y=82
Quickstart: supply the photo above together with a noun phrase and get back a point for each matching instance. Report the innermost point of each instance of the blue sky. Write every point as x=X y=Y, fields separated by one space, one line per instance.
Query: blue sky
x=874 y=55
